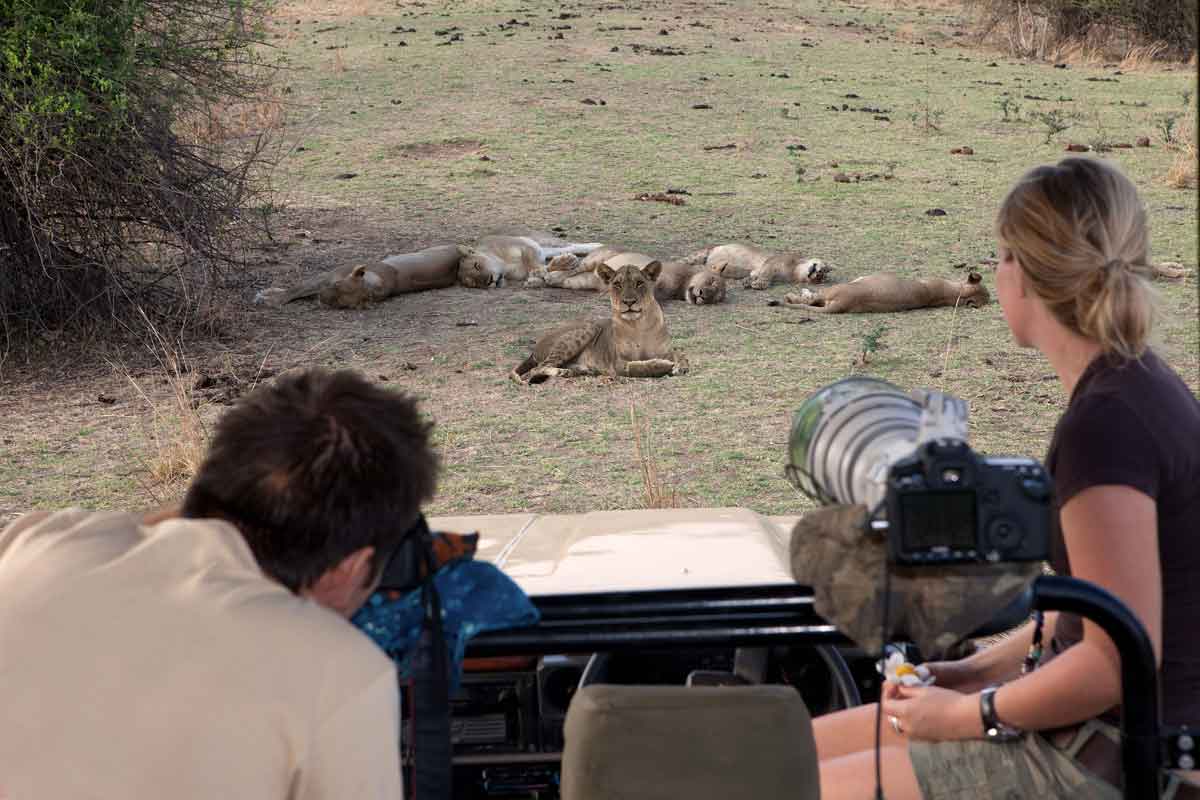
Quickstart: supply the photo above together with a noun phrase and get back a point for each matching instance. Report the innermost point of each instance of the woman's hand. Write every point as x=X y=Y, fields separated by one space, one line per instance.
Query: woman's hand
x=933 y=713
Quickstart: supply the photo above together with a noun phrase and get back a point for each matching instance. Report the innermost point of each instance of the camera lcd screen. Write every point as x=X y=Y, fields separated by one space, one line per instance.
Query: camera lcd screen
x=938 y=519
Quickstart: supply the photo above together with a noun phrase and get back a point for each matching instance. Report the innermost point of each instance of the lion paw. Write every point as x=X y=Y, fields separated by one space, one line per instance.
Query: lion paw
x=272 y=296
x=536 y=280
x=681 y=367
x=563 y=263
x=543 y=374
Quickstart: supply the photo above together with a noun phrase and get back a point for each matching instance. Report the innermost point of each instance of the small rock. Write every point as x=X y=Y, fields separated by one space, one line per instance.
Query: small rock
x=701 y=106
x=105 y=399
x=384 y=378
x=962 y=151
x=841 y=177
x=936 y=212
x=466 y=323
x=614 y=49
x=408 y=365
x=663 y=32
x=1143 y=141
x=1060 y=66
x=345 y=176
x=1077 y=148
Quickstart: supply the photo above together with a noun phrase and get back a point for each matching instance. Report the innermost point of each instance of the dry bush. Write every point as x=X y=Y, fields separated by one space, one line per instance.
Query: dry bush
x=657 y=491
x=1090 y=31
x=114 y=197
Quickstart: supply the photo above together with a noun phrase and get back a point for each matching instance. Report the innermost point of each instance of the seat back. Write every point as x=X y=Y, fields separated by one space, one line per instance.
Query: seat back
x=689 y=743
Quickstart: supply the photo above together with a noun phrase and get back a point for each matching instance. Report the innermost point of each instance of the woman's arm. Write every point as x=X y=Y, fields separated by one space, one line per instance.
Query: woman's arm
x=996 y=663
x=1111 y=534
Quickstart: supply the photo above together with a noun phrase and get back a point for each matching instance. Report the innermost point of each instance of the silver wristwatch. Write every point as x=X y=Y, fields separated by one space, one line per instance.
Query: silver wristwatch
x=994 y=729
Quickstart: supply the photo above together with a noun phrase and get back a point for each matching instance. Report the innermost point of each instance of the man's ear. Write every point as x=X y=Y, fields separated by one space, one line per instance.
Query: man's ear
x=974 y=277
x=345 y=586
x=606 y=273
x=652 y=270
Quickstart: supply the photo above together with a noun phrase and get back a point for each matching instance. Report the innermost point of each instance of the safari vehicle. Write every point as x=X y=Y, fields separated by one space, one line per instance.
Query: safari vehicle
x=697 y=598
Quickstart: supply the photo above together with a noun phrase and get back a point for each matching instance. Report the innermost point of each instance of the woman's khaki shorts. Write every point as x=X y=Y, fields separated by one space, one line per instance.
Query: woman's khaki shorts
x=1028 y=768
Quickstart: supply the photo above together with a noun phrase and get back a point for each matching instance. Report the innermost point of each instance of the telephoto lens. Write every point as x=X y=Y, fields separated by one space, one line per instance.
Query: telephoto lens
x=846 y=436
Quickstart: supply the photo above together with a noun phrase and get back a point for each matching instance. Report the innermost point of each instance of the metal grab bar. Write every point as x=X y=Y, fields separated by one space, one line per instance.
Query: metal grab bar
x=1140 y=742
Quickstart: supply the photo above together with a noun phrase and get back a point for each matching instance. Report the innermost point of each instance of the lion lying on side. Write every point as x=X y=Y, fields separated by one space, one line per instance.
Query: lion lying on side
x=502 y=257
x=761 y=268
x=358 y=286
x=885 y=292
x=677 y=280
x=633 y=342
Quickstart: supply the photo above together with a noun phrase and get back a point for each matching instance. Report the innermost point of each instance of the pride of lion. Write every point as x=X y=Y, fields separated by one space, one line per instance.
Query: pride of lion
x=632 y=341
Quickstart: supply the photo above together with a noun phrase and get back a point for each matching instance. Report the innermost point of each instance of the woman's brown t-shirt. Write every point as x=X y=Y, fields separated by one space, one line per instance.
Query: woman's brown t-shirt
x=1135 y=423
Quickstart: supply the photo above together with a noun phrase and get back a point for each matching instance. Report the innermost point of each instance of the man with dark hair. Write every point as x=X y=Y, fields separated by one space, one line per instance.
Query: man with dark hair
x=207 y=654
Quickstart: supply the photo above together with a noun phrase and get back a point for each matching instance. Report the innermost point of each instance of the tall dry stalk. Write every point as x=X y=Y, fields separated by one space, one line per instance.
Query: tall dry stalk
x=657 y=491
x=1183 y=172
x=177 y=433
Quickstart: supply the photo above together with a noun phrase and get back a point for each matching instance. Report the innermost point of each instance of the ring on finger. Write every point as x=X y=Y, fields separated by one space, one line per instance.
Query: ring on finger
x=896 y=724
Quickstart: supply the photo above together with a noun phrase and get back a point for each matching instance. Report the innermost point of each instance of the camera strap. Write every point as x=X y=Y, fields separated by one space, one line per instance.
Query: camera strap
x=433 y=770
x=1034 y=656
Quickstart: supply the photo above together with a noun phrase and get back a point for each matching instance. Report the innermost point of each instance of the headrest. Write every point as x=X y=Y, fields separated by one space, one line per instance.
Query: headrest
x=698 y=743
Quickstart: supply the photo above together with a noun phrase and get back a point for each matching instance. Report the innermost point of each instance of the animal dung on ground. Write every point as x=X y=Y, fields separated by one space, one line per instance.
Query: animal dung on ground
x=701 y=106
x=661 y=197
x=962 y=151
x=1074 y=147
x=1143 y=141
x=936 y=212
x=345 y=176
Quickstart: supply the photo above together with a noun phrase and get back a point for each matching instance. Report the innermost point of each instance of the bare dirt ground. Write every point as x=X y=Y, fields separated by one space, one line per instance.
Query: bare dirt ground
x=819 y=126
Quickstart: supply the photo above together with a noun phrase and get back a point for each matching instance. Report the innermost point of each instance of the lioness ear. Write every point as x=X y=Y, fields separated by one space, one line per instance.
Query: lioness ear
x=974 y=277
x=652 y=270
x=465 y=251
x=606 y=273
x=359 y=271
x=720 y=268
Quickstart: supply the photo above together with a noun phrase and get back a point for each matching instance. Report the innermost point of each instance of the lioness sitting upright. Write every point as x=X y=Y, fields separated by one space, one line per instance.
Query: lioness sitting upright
x=501 y=257
x=885 y=292
x=760 y=268
x=678 y=280
x=633 y=342
x=357 y=286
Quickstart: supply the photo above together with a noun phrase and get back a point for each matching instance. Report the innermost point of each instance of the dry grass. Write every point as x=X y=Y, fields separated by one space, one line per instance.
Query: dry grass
x=177 y=433
x=657 y=491
x=1143 y=57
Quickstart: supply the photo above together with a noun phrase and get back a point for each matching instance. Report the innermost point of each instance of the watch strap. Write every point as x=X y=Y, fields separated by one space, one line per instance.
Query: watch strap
x=993 y=728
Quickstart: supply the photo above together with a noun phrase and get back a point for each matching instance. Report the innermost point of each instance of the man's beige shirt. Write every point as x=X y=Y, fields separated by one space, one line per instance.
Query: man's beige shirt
x=160 y=663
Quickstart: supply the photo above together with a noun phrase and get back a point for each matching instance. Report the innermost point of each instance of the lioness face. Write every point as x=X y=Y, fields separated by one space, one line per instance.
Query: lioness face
x=630 y=290
x=477 y=271
x=812 y=270
x=352 y=291
x=973 y=293
x=706 y=287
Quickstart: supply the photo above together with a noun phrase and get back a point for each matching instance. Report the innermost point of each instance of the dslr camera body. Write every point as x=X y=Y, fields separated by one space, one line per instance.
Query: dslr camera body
x=946 y=505
x=864 y=441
